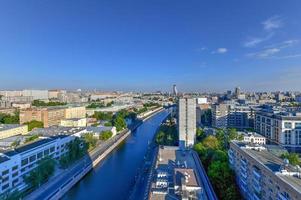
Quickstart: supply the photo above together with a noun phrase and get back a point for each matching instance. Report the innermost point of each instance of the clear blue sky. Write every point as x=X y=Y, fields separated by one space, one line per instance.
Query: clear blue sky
x=200 y=45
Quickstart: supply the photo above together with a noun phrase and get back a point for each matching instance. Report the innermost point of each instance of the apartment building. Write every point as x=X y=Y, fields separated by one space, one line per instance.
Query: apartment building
x=8 y=130
x=16 y=163
x=261 y=175
x=280 y=127
x=253 y=138
x=220 y=115
x=232 y=116
x=49 y=116
x=187 y=122
x=75 y=112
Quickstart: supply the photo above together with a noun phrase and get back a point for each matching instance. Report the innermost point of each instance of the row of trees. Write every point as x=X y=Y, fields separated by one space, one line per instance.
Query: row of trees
x=100 y=105
x=39 y=103
x=105 y=135
x=213 y=153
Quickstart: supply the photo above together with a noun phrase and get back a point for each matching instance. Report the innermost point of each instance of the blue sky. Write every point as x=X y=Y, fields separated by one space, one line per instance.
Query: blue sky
x=200 y=45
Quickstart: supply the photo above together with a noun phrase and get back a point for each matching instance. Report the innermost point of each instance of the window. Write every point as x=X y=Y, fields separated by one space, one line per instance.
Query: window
x=5 y=172
x=52 y=149
x=32 y=158
x=298 y=125
x=4 y=187
x=5 y=179
x=287 y=125
x=40 y=155
x=46 y=152
x=24 y=162
x=15 y=174
x=15 y=167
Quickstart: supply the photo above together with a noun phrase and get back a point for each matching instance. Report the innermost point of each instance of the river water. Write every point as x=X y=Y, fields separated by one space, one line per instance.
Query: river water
x=114 y=177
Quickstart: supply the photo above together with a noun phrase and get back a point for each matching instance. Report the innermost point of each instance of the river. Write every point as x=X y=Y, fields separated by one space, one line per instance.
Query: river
x=114 y=177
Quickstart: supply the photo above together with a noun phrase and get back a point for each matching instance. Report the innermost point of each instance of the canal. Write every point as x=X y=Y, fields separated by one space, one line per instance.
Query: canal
x=114 y=177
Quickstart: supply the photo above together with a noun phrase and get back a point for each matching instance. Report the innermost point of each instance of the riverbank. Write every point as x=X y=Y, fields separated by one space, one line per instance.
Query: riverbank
x=62 y=183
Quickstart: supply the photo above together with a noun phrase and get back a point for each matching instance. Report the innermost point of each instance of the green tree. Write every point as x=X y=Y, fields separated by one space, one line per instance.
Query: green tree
x=211 y=142
x=105 y=135
x=292 y=157
x=90 y=140
x=34 y=124
x=41 y=173
x=200 y=134
x=119 y=122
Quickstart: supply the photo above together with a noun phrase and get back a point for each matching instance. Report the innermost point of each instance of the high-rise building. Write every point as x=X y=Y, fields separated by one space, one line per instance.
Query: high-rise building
x=174 y=90
x=237 y=92
x=187 y=122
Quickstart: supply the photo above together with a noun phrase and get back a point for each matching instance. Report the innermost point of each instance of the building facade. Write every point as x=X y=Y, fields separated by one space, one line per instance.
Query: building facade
x=187 y=122
x=261 y=175
x=8 y=130
x=281 y=127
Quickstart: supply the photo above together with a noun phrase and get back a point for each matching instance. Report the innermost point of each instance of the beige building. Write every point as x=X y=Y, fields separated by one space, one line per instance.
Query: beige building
x=49 y=116
x=75 y=112
x=8 y=130
x=75 y=122
x=262 y=175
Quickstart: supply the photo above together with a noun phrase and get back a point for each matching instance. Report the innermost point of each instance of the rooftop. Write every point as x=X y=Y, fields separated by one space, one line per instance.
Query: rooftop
x=56 y=131
x=4 y=127
x=274 y=164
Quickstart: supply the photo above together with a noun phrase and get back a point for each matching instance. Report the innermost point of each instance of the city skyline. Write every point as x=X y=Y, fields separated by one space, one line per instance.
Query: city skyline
x=149 y=46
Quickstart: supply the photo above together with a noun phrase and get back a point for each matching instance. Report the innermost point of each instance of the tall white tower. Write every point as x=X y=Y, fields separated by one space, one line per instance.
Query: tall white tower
x=187 y=122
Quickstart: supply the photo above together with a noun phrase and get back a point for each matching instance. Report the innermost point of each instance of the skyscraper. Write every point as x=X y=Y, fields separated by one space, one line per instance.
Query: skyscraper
x=187 y=122
x=174 y=90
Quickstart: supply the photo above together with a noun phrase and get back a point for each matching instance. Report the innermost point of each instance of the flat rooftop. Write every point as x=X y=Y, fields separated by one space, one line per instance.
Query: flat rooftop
x=175 y=163
x=274 y=164
x=4 y=127
x=56 y=131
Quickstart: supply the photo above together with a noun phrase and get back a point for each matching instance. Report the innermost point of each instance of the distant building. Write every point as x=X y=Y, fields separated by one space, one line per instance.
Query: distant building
x=8 y=130
x=174 y=90
x=237 y=92
x=75 y=112
x=262 y=175
x=232 y=116
x=36 y=94
x=187 y=122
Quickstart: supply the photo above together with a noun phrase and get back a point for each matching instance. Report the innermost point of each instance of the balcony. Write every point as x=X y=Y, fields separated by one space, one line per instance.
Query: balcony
x=256 y=187
x=256 y=197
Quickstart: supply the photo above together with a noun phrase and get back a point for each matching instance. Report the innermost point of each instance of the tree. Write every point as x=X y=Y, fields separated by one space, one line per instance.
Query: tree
x=211 y=142
x=90 y=140
x=292 y=157
x=200 y=149
x=105 y=135
x=41 y=173
x=200 y=134
x=34 y=124
x=9 y=119
x=103 y=116
x=119 y=122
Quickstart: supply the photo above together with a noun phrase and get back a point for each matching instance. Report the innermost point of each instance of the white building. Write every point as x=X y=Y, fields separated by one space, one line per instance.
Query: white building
x=281 y=127
x=253 y=138
x=187 y=122
x=36 y=94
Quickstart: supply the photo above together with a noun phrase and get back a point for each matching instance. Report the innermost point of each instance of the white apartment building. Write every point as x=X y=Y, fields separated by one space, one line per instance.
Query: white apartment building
x=16 y=163
x=281 y=127
x=187 y=122
x=253 y=138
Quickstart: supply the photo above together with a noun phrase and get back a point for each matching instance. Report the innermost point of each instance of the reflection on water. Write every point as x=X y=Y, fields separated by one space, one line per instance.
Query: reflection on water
x=114 y=177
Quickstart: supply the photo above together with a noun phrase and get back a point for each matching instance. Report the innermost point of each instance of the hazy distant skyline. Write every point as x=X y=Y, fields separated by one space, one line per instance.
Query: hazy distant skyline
x=127 y=45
